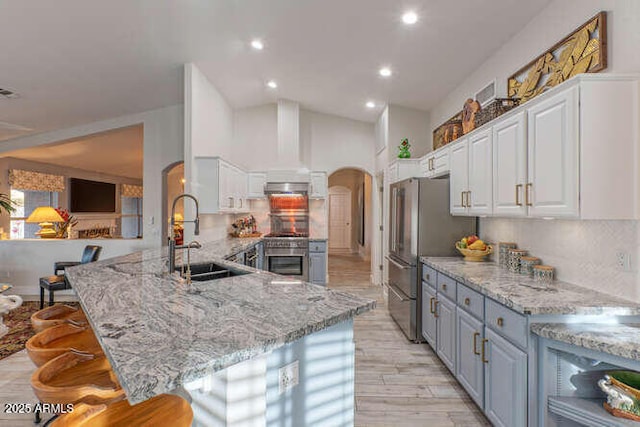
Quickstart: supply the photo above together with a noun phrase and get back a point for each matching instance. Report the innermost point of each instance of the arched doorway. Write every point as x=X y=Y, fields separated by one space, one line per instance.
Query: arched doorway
x=350 y=228
x=172 y=186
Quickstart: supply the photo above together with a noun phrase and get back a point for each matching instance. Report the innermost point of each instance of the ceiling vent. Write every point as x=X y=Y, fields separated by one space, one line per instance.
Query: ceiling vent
x=7 y=94
x=486 y=94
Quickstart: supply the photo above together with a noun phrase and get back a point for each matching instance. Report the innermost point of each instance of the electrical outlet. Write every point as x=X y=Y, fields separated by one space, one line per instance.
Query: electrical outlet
x=288 y=377
x=623 y=261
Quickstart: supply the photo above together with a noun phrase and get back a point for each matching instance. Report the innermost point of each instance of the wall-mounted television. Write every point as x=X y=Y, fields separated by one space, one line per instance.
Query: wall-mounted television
x=91 y=196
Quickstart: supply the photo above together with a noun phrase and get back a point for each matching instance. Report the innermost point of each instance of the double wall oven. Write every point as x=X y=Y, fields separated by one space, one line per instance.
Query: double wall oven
x=286 y=247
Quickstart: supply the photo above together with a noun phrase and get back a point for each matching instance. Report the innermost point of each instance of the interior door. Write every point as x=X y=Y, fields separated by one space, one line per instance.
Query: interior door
x=339 y=219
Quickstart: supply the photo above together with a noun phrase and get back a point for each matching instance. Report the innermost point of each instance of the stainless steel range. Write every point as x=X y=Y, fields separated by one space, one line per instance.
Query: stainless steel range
x=286 y=247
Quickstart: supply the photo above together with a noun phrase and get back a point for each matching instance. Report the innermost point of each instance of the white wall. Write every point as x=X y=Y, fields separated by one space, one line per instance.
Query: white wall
x=255 y=135
x=583 y=252
x=329 y=143
x=208 y=131
x=555 y=22
x=163 y=145
x=412 y=124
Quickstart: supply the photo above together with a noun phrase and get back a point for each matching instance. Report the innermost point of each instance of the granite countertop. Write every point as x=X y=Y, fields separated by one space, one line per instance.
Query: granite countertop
x=159 y=334
x=524 y=295
x=619 y=339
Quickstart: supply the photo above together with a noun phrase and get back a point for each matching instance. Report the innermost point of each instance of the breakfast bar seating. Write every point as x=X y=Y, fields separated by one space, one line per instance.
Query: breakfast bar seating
x=72 y=369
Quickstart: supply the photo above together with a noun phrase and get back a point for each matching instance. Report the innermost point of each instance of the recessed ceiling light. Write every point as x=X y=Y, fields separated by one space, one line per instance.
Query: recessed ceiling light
x=257 y=44
x=272 y=84
x=385 y=72
x=410 y=17
x=370 y=104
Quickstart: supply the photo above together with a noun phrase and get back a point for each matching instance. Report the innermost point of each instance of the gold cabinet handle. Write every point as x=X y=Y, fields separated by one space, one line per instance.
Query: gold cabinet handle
x=527 y=195
x=444 y=286
x=467 y=301
x=475 y=343
x=500 y=322
x=518 y=188
x=433 y=165
x=484 y=359
x=435 y=308
x=431 y=309
x=462 y=199
x=468 y=199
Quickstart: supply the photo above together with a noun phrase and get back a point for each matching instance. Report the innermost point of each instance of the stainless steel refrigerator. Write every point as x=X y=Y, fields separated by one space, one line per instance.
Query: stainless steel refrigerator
x=419 y=225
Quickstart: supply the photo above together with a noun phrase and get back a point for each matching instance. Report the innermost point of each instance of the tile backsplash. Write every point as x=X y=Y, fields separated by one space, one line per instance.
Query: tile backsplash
x=582 y=252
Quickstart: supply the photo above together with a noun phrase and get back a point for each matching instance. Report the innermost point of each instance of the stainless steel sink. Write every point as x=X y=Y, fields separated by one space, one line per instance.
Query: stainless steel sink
x=211 y=271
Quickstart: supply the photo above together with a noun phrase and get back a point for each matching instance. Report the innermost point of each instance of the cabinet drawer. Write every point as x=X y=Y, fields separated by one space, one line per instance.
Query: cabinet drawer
x=446 y=286
x=429 y=275
x=471 y=301
x=317 y=246
x=508 y=323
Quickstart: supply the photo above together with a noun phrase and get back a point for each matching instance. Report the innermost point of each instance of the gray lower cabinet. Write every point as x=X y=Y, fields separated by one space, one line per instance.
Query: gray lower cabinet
x=469 y=366
x=505 y=388
x=318 y=262
x=446 y=336
x=318 y=268
x=429 y=321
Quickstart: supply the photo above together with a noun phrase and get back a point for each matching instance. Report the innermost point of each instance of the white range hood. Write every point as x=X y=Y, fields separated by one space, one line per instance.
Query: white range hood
x=290 y=168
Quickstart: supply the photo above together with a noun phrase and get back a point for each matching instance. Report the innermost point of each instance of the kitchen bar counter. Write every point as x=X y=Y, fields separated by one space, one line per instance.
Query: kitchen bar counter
x=618 y=339
x=158 y=334
x=524 y=295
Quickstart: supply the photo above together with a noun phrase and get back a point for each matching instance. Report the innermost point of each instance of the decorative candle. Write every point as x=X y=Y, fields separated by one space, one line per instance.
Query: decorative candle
x=503 y=253
x=543 y=274
x=527 y=263
x=514 y=259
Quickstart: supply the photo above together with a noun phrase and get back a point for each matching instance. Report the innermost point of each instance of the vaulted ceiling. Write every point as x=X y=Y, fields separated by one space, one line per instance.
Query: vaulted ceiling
x=75 y=61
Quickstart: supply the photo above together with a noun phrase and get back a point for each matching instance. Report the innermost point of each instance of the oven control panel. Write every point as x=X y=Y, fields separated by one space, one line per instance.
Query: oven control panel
x=286 y=243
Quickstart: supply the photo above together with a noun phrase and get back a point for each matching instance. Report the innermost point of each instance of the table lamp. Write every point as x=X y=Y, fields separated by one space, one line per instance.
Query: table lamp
x=45 y=216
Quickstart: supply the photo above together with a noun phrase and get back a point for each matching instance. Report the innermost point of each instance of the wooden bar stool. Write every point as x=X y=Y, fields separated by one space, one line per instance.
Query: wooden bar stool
x=75 y=377
x=56 y=315
x=59 y=339
x=163 y=410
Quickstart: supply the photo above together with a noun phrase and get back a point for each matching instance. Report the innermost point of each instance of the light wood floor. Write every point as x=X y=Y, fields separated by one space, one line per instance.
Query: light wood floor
x=398 y=383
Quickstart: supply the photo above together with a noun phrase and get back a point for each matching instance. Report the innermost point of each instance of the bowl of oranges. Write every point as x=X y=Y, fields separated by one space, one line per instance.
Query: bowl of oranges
x=473 y=249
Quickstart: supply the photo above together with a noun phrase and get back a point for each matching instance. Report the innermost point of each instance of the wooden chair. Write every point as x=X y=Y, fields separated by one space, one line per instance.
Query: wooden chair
x=56 y=315
x=163 y=410
x=59 y=339
x=75 y=377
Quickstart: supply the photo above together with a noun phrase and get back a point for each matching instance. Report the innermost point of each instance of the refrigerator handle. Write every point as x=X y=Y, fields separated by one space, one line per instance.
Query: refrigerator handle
x=397 y=264
x=400 y=220
x=393 y=219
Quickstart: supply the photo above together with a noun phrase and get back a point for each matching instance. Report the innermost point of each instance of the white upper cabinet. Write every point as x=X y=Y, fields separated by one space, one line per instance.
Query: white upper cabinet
x=435 y=164
x=319 y=185
x=510 y=166
x=219 y=186
x=257 y=182
x=569 y=153
x=480 y=187
x=459 y=178
x=402 y=169
x=552 y=189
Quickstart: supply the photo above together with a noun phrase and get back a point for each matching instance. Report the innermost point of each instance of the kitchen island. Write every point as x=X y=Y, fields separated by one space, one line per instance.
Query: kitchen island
x=224 y=340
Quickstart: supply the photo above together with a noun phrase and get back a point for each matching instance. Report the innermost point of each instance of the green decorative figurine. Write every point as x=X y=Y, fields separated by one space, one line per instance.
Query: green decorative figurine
x=404 y=147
